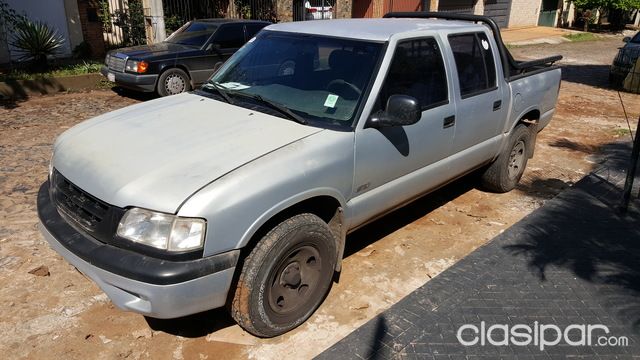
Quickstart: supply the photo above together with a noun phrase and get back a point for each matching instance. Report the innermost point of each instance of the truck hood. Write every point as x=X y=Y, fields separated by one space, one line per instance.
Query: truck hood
x=156 y=154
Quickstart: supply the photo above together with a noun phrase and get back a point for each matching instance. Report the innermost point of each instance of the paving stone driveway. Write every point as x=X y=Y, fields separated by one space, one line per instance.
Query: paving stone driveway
x=573 y=261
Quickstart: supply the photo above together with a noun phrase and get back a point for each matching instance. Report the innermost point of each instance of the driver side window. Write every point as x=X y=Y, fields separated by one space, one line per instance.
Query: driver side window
x=417 y=70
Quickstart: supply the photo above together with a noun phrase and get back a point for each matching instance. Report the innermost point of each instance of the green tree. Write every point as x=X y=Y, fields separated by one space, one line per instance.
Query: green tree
x=615 y=8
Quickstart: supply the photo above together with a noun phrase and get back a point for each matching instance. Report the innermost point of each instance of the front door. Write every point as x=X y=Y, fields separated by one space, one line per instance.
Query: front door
x=391 y=163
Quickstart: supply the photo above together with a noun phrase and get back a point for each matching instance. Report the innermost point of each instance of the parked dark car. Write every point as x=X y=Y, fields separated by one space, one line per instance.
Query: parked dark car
x=624 y=60
x=184 y=60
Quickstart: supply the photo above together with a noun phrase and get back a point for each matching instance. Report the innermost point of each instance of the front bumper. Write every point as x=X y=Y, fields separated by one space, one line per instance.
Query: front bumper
x=149 y=286
x=145 y=83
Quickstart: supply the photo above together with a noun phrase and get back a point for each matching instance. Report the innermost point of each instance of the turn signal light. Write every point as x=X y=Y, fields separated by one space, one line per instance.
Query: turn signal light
x=142 y=66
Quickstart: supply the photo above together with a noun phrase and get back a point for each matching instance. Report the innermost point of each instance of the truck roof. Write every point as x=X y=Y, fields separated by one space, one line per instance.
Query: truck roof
x=371 y=29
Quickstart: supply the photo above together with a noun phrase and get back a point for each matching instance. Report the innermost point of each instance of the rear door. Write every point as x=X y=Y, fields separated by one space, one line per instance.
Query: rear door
x=481 y=103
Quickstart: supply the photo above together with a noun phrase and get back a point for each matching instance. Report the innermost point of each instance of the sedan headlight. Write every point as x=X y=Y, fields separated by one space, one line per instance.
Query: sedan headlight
x=136 y=66
x=162 y=231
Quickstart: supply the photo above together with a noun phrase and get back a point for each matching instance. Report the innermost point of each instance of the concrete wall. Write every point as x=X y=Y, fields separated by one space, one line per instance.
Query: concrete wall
x=51 y=12
x=524 y=13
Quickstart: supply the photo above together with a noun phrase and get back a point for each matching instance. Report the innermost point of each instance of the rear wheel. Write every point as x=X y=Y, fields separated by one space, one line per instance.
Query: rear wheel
x=172 y=82
x=505 y=172
x=285 y=277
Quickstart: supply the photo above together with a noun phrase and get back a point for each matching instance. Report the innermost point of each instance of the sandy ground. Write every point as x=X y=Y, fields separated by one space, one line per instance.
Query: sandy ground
x=57 y=313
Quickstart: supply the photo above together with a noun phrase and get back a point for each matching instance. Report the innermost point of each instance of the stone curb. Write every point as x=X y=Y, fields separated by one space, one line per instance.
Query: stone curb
x=22 y=89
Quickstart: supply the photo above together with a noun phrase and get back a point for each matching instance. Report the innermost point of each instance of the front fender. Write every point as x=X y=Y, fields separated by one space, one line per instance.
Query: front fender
x=239 y=203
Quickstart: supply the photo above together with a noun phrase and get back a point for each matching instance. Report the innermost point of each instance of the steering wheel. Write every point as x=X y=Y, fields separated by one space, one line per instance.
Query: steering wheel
x=341 y=84
x=288 y=67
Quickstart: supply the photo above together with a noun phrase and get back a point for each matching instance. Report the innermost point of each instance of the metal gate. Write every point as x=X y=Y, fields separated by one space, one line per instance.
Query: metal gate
x=236 y=9
x=498 y=10
x=456 y=6
x=548 y=12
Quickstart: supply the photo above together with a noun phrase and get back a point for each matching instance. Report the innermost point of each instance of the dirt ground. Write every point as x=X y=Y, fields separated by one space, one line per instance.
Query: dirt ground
x=55 y=312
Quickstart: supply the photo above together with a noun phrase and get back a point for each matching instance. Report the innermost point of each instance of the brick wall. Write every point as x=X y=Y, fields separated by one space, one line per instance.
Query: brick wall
x=524 y=13
x=89 y=11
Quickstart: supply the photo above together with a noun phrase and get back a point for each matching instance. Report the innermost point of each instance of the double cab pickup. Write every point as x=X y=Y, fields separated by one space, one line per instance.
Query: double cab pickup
x=242 y=193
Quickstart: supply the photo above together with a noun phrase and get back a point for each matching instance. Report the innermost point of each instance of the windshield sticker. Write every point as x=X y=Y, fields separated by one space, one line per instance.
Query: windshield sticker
x=234 y=86
x=485 y=44
x=331 y=101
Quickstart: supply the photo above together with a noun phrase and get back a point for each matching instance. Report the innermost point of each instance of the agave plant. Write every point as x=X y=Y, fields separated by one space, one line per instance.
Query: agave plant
x=35 y=41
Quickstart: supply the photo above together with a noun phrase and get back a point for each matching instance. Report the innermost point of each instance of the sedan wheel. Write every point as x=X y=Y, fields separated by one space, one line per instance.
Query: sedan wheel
x=172 y=82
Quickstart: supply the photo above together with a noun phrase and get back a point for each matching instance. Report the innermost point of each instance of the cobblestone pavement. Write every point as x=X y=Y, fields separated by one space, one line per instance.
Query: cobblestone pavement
x=573 y=261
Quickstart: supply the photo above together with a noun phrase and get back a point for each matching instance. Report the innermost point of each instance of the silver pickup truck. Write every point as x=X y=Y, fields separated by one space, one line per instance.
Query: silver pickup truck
x=242 y=193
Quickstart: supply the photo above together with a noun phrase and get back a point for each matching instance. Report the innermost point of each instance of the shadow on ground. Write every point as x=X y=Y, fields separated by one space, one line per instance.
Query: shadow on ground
x=592 y=75
x=193 y=326
x=583 y=232
x=136 y=95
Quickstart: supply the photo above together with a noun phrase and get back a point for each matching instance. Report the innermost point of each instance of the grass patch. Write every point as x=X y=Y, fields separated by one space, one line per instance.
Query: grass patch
x=56 y=71
x=621 y=132
x=584 y=36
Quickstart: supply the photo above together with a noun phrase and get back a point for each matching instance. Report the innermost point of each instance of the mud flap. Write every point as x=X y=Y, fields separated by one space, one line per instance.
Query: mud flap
x=533 y=136
x=336 y=224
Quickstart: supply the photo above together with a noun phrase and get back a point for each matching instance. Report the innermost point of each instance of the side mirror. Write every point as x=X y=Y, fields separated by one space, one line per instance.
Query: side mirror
x=401 y=110
x=626 y=39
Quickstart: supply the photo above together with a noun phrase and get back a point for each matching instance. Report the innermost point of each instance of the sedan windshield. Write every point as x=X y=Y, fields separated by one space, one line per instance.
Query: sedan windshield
x=321 y=80
x=192 y=34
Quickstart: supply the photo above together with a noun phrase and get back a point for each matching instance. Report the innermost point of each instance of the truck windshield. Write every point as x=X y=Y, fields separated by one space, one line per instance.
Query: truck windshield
x=320 y=79
x=192 y=34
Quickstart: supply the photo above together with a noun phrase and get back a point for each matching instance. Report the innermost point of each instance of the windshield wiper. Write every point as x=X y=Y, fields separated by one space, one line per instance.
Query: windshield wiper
x=221 y=90
x=282 y=109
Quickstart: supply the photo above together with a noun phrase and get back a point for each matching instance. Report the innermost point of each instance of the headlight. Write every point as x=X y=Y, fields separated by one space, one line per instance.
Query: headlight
x=162 y=231
x=136 y=66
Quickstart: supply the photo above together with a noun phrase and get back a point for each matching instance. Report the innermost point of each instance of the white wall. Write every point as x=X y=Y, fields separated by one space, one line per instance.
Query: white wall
x=51 y=12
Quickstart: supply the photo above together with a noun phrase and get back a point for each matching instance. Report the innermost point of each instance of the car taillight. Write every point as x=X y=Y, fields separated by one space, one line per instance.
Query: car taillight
x=312 y=10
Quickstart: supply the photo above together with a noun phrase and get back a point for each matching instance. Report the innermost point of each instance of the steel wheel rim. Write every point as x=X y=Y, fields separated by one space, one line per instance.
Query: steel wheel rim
x=296 y=278
x=175 y=84
x=516 y=160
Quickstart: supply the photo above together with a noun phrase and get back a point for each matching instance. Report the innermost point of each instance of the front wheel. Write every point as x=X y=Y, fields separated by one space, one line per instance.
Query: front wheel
x=172 y=82
x=505 y=172
x=286 y=276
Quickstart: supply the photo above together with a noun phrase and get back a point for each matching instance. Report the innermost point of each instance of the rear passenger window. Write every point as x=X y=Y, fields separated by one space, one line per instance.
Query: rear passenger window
x=416 y=70
x=230 y=36
x=474 y=61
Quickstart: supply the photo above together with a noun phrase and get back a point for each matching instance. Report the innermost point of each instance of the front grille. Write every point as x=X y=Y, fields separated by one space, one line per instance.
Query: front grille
x=115 y=63
x=77 y=205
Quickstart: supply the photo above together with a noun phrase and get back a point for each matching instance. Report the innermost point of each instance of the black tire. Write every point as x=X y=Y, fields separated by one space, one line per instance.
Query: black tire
x=505 y=172
x=295 y=259
x=173 y=81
